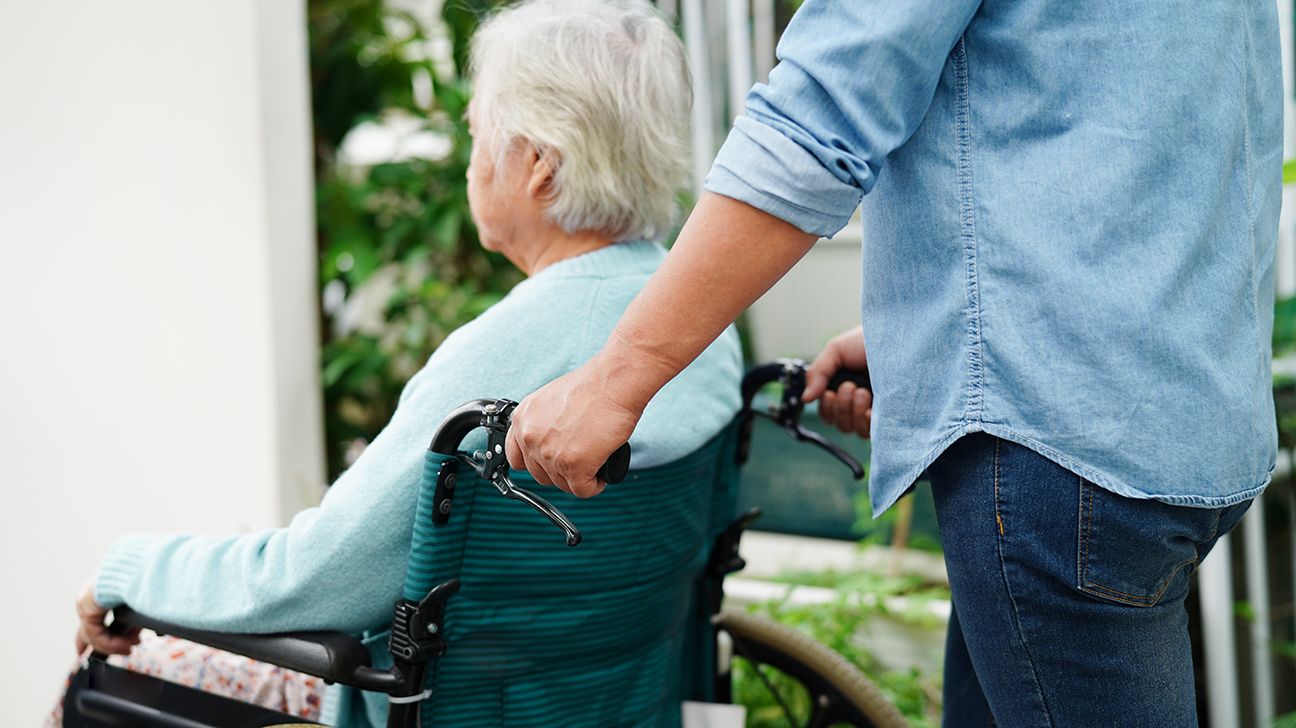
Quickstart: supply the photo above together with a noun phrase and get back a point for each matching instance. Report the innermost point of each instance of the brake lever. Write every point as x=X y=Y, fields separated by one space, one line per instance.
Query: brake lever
x=507 y=489
x=801 y=434
x=498 y=477
x=787 y=413
x=492 y=465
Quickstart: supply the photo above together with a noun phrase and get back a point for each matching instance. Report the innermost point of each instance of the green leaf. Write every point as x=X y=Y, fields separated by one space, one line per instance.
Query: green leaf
x=336 y=367
x=445 y=231
x=1285 y=648
x=1284 y=331
x=1289 y=171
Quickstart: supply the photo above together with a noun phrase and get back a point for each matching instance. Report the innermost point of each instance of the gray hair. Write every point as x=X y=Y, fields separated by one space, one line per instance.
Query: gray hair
x=602 y=89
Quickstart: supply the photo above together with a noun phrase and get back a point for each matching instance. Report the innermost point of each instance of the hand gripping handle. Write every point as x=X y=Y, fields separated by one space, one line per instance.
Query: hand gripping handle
x=859 y=378
x=496 y=415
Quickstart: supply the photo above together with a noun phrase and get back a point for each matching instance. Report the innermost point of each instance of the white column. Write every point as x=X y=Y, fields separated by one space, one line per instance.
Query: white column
x=1215 y=584
x=695 y=38
x=157 y=284
x=1285 y=264
x=763 y=30
x=1257 y=582
x=287 y=160
x=740 y=54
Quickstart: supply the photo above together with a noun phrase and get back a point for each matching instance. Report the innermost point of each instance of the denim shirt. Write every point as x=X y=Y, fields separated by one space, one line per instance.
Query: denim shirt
x=1070 y=214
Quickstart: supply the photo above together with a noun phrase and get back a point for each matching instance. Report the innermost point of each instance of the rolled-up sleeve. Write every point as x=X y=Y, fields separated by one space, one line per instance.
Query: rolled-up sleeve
x=854 y=80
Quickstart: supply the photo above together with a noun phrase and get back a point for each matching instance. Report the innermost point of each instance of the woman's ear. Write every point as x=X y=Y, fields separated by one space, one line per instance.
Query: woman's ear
x=543 y=166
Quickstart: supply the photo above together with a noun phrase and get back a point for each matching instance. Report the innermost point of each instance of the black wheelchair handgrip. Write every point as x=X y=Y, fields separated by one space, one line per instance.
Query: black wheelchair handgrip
x=617 y=465
x=859 y=378
x=464 y=419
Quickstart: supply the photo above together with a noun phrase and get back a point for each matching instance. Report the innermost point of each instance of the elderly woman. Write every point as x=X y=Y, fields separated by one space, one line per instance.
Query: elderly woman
x=580 y=145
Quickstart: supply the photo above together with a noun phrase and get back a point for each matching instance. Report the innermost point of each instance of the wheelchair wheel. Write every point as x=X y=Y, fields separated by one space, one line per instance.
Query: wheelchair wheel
x=810 y=685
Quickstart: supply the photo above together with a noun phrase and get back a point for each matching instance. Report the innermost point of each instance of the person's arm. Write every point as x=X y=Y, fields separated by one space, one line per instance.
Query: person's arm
x=708 y=279
x=854 y=81
x=338 y=567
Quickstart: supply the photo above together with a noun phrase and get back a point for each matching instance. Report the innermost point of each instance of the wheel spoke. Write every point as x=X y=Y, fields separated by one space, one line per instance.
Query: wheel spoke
x=778 y=697
x=835 y=692
x=769 y=684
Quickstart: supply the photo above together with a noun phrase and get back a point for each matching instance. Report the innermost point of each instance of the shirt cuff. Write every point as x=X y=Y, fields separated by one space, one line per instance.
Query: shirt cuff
x=763 y=168
x=119 y=568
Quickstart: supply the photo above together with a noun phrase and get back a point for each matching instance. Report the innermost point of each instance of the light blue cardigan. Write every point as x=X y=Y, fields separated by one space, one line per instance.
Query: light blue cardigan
x=340 y=566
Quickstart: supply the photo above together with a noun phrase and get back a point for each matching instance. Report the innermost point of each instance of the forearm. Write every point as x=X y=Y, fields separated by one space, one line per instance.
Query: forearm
x=335 y=567
x=280 y=580
x=728 y=254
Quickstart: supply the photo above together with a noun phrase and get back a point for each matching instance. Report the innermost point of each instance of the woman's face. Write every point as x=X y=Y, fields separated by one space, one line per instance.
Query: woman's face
x=496 y=194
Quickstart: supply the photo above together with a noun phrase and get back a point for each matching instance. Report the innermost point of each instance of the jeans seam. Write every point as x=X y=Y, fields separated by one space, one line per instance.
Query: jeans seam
x=1088 y=529
x=1082 y=537
x=1093 y=587
x=1219 y=516
x=1138 y=600
x=998 y=518
x=1012 y=601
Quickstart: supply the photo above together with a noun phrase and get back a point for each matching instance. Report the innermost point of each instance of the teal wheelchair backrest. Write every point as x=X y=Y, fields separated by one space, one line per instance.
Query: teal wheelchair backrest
x=613 y=632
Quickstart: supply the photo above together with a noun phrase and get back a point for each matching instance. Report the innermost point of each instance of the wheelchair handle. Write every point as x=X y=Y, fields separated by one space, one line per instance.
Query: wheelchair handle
x=484 y=412
x=762 y=374
x=858 y=377
x=791 y=373
x=496 y=415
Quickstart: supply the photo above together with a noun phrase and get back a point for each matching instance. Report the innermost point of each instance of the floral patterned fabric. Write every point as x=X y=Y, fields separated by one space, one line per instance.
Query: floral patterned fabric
x=221 y=673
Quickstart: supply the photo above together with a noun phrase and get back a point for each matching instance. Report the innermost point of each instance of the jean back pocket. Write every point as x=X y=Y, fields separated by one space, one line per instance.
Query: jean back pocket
x=1140 y=552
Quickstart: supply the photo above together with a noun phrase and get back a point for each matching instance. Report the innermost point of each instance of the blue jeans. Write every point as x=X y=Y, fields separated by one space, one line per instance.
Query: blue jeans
x=1068 y=599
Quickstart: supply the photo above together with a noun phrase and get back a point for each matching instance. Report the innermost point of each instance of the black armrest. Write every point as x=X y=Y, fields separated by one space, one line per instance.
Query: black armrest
x=333 y=656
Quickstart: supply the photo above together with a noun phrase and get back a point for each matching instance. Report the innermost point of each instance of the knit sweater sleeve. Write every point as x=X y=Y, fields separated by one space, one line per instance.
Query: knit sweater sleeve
x=338 y=566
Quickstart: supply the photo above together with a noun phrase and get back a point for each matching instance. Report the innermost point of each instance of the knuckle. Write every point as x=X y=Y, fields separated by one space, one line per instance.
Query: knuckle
x=568 y=461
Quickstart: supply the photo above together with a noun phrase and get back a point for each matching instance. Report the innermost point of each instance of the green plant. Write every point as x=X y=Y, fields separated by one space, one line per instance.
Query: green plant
x=362 y=61
x=1284 y=331
x=400 y=264
x=881 y=531
x=860 y=598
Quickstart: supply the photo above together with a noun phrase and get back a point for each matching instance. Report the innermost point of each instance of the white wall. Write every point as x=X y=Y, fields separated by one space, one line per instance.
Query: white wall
x=157 y=328
x=815 y=301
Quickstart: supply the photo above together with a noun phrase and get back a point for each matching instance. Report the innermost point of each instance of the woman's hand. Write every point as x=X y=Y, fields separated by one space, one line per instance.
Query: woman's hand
x=850 y=408
x=92 y=632
x=566 y=430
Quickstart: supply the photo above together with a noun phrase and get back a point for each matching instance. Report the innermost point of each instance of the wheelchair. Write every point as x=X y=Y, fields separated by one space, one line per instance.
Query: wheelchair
x=483 y=612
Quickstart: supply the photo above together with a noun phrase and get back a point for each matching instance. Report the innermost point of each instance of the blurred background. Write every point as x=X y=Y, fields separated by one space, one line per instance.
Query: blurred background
x=230 y=232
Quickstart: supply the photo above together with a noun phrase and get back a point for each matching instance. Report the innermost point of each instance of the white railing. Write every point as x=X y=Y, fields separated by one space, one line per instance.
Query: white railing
x=1228 y=698
x=730 y=47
